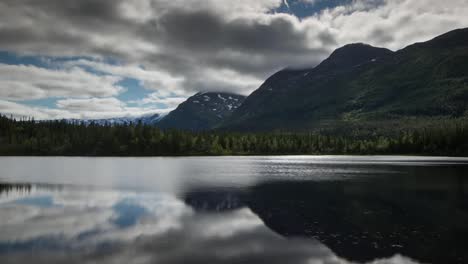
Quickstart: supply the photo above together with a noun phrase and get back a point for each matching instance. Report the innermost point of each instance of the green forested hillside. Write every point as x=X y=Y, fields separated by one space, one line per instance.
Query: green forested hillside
x=359 y=85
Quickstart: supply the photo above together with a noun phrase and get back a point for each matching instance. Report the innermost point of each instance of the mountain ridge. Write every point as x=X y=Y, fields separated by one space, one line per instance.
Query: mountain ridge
x=202 y=111
x=361 y=84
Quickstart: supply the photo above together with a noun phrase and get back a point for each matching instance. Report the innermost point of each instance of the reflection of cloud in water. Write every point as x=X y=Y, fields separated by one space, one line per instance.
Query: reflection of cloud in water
x=117 y=227
x=109 y=215
x=28 y=222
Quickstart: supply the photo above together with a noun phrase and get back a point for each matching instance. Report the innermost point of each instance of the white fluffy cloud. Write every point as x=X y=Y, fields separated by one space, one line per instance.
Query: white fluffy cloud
x=94 y=108
x=89 y=108
x=92 y=104
x=169 y=101
x=151 y=79
x=23 y=82
x=20 y=110
x=392 y=24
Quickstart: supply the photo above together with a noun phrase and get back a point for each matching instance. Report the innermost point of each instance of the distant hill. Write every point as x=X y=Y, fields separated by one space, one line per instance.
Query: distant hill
x=203 y=111
x=361 y=85
x=145 y=119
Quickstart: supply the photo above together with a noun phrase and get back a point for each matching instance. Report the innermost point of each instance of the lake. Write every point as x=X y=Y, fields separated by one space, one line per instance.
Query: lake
x=284 y=209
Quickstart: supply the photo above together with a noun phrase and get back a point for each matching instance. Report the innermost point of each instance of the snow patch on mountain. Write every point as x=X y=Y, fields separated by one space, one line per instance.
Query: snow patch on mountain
x=149 y=119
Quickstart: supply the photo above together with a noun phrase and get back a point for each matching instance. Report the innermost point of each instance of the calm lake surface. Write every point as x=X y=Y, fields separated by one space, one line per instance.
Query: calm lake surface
x=287 y=209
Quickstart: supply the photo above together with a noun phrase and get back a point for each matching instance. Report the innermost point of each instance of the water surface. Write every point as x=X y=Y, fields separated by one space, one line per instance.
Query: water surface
x=288 y=209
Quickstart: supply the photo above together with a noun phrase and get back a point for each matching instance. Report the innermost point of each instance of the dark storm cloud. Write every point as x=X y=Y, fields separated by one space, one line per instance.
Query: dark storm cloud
x=20 y=39
x=205 y=31
x=74 y=26
x=106 y=10
x=246 y=46
x=61 y=28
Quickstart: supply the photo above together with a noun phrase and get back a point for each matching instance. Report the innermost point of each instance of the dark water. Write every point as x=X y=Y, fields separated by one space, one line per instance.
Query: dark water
x=317 y=210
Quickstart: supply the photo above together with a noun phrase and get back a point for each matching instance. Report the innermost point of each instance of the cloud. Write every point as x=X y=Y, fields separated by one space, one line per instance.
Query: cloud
x=26 y=82
x=41 y=222
x=92 y=104
x=19 y=110
x=89 y=108
x=151 y=79
x=97 y=108
x=185 y=40
x=392 y=24
x=155 y=98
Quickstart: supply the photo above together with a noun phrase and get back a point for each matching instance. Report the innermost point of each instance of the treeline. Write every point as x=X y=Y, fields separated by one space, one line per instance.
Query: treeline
x=61 y=138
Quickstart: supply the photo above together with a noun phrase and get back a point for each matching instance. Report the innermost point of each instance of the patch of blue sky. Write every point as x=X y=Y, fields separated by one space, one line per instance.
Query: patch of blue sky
x=15 y=59
x=49 y=102
x=306 y=8
x=134 y=91
x=49 y=62
x=39 y=61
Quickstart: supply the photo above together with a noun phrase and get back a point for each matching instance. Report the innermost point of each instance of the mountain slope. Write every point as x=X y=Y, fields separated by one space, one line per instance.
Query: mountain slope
x=149 y=119
x=360 y=84
x=202 y=111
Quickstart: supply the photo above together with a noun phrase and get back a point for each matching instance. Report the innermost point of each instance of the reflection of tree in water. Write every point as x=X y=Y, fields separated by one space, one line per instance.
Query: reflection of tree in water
x=421 y=213
x=217 y=200
x=27 y=188
x=6 y=188
x=461 y=194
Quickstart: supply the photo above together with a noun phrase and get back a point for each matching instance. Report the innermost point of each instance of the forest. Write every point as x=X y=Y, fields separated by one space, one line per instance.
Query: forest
x=27 y=137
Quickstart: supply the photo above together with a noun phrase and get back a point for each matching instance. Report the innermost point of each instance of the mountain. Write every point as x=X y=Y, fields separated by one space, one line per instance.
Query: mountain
x=202 y=111
x=355 y=222
x=361 y=85
x=149 y=119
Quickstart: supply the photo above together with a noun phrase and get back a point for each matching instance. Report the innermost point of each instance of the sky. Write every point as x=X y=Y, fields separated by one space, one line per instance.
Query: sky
x=92 y=59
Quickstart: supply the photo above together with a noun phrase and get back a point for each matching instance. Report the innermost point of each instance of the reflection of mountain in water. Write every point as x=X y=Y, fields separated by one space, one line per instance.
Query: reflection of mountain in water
x=422 y=213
